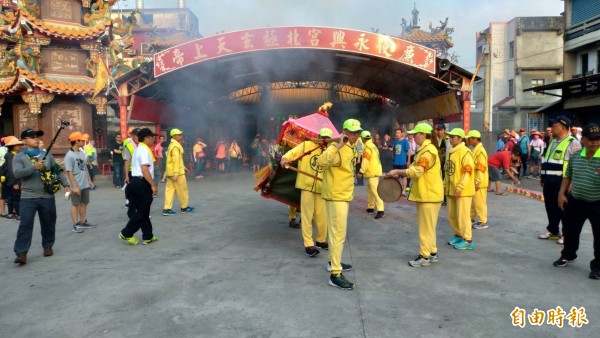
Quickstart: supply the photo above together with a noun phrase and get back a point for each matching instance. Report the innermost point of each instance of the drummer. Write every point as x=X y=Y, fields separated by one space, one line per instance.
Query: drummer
x=427 y=191
x=339 y=164
x=311 y=203
x=371 y=169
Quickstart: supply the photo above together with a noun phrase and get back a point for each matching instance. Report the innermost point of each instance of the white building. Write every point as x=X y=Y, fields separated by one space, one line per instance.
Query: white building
x=525 y=52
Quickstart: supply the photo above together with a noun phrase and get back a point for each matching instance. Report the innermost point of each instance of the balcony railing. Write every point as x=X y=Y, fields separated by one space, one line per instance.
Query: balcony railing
x=582 y=29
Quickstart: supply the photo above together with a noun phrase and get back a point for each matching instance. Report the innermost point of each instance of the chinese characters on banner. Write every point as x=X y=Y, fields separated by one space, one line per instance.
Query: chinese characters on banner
x=339 y=39
x=576 y=317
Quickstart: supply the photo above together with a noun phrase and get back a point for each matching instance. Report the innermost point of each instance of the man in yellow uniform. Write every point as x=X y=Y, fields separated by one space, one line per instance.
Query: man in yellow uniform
x=459 y=185
x=371 y=169
x=175 y=172
x=426 y=190
x=311 y=203
x=482 y=180
x=339 y=163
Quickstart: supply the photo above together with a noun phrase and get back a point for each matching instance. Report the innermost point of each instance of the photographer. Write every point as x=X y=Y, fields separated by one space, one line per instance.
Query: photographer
x=27 y=166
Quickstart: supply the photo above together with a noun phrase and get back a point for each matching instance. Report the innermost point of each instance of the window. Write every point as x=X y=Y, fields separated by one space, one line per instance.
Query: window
x=584 y=63
x=537 y=83
x=510 y=87
x=511 y=50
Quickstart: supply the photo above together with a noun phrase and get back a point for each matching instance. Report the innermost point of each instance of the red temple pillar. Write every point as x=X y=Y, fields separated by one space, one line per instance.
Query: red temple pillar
x=123 y=104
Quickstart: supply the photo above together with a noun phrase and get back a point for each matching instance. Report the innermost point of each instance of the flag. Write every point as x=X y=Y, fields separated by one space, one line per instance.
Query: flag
x=102 y=77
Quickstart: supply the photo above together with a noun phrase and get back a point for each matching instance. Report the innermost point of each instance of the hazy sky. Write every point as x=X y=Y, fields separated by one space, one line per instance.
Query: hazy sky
x=465 y=16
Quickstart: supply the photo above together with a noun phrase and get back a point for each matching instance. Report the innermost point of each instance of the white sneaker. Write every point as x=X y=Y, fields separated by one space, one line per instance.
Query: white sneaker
x=561 y=240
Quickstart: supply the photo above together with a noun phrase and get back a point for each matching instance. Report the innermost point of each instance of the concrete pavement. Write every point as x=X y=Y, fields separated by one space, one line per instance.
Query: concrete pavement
x=235 y=269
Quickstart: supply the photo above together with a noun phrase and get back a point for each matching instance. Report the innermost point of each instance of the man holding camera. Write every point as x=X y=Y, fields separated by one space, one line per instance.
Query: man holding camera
x=27 y=166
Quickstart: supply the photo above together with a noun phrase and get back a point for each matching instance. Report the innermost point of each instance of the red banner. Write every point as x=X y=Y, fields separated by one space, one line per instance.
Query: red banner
x=273 y=38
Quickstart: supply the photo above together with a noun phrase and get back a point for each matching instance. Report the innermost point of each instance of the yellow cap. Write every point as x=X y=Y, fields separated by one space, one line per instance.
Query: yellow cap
x=457 y=132
x=365 y=134
x=474 y=133
x=352 y=125
x=326 y=132
x=424 y=128
x=175 y=131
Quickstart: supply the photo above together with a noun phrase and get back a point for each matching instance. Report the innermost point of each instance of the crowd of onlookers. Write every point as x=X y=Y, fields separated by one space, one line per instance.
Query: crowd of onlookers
x=528 y=148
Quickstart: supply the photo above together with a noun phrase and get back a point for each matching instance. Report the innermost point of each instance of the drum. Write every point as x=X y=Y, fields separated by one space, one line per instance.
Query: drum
x=389 y=189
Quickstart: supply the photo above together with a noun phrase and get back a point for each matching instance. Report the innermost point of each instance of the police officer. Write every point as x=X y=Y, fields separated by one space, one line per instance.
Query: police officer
x=554 y=164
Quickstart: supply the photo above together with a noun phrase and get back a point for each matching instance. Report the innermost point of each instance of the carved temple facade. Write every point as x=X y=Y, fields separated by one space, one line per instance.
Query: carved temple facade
x=50 y=51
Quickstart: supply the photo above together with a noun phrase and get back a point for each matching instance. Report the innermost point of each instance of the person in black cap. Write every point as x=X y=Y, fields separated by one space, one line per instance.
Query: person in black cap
x=582 y=202
x=34 y=197
x=140 y=191
x=443 y=146
x=554 y=165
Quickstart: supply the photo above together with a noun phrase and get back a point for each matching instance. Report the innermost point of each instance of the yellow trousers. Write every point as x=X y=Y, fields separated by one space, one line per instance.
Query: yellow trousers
x=291 y=212
x=337 y=220
x=427 y=217
x=312 y=206
x=459 y=216
x=373 y=199
x=179 y=186
x=479 y=205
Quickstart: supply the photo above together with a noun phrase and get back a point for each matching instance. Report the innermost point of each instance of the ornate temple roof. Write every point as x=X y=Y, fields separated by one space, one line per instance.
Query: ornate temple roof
x=421 y=37
x=52 y=83
x=66 y=30
x=169 y=41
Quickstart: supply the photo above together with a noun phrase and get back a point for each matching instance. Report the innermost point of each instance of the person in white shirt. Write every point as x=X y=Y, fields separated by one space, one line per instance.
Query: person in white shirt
x=140 y=190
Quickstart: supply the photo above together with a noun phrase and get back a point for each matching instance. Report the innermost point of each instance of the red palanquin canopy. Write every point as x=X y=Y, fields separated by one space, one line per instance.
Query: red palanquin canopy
x=296 y=131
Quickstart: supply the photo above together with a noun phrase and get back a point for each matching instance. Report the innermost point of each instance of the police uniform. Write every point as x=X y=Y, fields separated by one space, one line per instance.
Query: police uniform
x=554 y=164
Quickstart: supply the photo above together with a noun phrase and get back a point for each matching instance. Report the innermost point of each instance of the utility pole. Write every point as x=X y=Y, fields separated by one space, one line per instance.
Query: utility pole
x=487 y=109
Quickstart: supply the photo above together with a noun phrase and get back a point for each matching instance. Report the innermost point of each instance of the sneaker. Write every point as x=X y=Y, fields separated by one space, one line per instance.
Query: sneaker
x=345 y=267
x=595 y=275
x=21 y=259
x=371 y=211
x=77 y=228
x=48 y=251
x=168 y=212
x=433 y=258
x=322 y=245
x=454 y=240
x=550 y=236
x=480 y=226
x=339 y=281
x=188 y=209
x=561 y=240
x=311 y=251
x=464 y=245
x=379 y=215
x=293 y=224
x=420 y=261
x=87 y=225
x=199 y=177
x=148 y=241
x=562 y=262
x=130 y=240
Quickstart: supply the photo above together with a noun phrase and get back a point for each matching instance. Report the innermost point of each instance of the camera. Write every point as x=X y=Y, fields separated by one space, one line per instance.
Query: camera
x=64 y=123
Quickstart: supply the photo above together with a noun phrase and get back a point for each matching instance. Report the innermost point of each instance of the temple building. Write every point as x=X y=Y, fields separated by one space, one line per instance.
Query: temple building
x=51 y=52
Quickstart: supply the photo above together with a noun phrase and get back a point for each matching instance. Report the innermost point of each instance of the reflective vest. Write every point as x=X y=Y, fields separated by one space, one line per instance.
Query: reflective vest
x=553 y=161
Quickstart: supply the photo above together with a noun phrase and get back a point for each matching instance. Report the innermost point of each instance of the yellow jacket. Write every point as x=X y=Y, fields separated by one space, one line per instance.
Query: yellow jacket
x=481 y=166
x=338 y=175
x=308 y=163
x=175 y=159
x=460 y=168
x=426 y=175
x=371 y=164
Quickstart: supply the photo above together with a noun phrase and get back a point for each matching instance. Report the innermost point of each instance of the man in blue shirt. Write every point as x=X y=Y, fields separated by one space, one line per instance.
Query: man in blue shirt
x=500 y=142
x=401 y=148
x=523 y=145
